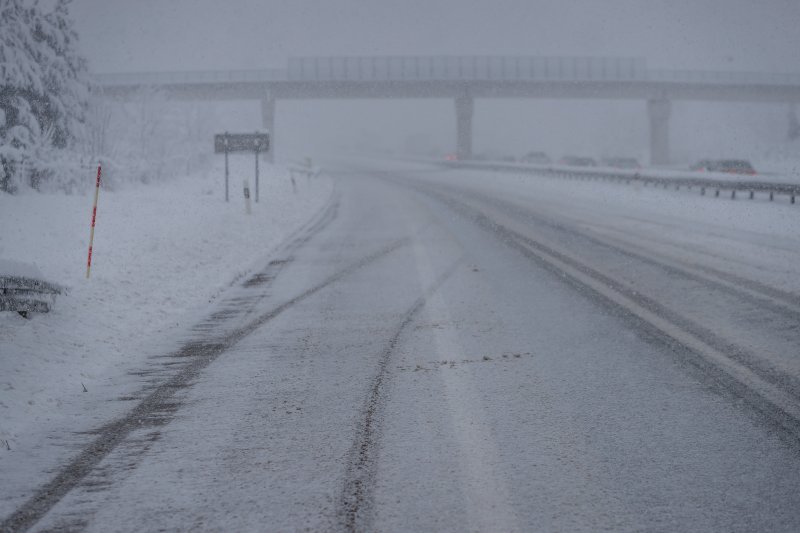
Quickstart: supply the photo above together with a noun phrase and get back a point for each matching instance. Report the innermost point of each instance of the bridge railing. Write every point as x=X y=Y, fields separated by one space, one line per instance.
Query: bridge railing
x=208 y=76
x=454 y=68
x=723 y=77
x=474 y=68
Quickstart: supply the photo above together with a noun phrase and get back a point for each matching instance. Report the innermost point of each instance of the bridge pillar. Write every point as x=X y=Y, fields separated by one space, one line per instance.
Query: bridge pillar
x=268 y=123
x=794 y=124
x=659 y=112
x=464 y=110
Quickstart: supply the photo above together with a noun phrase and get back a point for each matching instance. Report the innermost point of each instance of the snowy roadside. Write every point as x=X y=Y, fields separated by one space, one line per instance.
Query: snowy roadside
x=161 y=254
x=755 y=239
x=782 y=177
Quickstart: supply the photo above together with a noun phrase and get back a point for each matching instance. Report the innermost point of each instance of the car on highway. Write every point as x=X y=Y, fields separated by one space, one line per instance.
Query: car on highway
x=494 y=156
x=535 y=158
x=734 y=166
x=622 y=162
x=730 y=166
x=702 y=165
x=577 y=161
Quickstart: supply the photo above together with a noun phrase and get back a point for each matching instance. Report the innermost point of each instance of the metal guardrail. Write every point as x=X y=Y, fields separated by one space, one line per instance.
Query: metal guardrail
x=703 y=184
x=27 y=295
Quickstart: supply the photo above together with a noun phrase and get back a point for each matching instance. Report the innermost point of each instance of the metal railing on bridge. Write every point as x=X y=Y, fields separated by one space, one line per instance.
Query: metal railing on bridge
x=475 y=68
x=723 y=77
x=454 y=68
x=203 y=76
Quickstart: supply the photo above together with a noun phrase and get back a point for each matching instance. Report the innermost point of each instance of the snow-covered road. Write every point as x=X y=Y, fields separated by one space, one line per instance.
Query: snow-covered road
x=466 y=351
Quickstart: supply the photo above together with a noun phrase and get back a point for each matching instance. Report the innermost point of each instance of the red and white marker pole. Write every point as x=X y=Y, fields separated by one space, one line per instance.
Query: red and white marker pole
x=94 y=218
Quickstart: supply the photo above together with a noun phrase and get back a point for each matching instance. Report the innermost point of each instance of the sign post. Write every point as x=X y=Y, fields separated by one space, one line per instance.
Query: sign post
x=226 y=166
x=258 y=145
x=240 y=142
x=246 y=197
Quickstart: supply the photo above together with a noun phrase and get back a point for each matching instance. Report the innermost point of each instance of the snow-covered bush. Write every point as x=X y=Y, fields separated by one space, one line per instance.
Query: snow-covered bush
x=146 y=138
x=43 y=92
x=55 y=127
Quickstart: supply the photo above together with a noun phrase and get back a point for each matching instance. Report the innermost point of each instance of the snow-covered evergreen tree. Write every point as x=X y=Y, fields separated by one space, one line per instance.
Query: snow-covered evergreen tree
x=43 y=89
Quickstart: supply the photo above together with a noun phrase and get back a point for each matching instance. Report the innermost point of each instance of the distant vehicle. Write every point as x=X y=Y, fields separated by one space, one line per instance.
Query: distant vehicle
x=622 y=162
x=577 y=161
x=731 y=166
x=493 y=156
x=535 y=158
x=734 y=166
x=450 y=157
x=702 y=165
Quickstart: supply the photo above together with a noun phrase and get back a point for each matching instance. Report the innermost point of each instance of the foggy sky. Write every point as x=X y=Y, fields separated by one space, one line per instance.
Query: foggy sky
x=166 y=35
x=125 y=35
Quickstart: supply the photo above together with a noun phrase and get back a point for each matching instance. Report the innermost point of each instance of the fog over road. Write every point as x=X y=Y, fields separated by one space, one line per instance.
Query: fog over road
x=438 y=352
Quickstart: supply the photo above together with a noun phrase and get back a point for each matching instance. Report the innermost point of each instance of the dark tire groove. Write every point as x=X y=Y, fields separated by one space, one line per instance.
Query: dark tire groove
x=159 y=399
x=355 y=502
x=789 y=299
x=741 y=355
x=788 y=425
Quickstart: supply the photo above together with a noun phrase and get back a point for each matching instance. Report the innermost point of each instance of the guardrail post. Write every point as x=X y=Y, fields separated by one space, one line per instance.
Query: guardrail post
x=770 y=195
x=733 y=194
x=792 y=200
x=702 y=191
x=751 y=195
x=716 y=193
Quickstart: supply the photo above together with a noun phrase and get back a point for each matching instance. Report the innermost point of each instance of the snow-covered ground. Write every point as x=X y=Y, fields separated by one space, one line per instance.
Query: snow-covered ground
x=777 y=163
x=507 y=400
x=776 y=174
x=753 y=238
x=162 y=252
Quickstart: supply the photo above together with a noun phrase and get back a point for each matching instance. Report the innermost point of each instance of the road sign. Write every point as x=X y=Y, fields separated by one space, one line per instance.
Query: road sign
x=225 y=143
x=241 y=142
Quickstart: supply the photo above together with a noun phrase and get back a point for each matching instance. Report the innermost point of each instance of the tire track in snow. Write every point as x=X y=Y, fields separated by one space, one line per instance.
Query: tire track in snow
x=161 y=398
x=488 y=498
x=777 y=401
x=747 y=289
x=355 y=503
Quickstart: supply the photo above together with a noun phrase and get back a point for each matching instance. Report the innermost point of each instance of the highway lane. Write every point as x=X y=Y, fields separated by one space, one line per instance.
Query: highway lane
x=441 y=354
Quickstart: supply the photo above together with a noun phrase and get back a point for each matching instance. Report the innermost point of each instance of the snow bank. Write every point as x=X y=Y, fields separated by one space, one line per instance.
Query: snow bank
x=161 y=254
x=9 y=267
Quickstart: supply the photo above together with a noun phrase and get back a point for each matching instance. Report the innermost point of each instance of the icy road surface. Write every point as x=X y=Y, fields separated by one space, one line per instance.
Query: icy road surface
x=467 y=351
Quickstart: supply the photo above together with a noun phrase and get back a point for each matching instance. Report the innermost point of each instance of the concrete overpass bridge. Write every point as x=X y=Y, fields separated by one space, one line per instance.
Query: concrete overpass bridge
x=465 y=78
